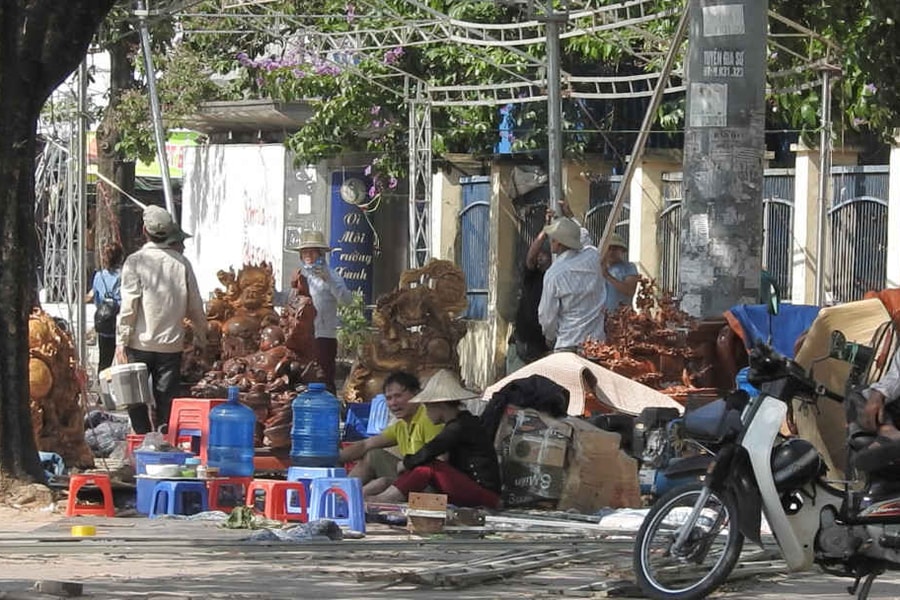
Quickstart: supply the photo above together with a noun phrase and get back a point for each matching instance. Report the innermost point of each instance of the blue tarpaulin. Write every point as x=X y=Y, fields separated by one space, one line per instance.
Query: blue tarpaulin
x=751 y=323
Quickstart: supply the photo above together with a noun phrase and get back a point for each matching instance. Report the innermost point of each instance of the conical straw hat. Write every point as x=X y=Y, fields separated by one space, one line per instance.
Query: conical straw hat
x=444 y=386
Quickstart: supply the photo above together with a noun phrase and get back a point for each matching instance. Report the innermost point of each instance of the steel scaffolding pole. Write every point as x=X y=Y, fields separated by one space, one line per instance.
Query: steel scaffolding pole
x=158 y=130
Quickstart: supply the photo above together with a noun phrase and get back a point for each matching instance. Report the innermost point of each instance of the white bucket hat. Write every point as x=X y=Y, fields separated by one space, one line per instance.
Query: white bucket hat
x=565 y=231
x=444 y=386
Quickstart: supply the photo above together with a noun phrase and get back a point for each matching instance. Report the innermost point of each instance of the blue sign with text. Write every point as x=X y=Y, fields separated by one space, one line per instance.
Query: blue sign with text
x=352 y=238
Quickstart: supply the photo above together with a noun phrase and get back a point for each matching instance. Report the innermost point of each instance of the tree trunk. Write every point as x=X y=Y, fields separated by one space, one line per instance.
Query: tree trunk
x=41 y=42
x=112 y=207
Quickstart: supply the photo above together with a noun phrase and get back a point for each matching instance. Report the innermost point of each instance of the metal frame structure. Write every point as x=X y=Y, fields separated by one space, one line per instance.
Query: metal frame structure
x=628 y=21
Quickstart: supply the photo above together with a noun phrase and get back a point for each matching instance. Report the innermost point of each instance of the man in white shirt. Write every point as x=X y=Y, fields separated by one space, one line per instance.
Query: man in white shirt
x=574 y=294
x=159 y=290
x=881 y=401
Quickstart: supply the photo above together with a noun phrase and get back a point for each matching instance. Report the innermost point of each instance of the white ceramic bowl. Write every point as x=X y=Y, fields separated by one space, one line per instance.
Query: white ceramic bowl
x=163 y=470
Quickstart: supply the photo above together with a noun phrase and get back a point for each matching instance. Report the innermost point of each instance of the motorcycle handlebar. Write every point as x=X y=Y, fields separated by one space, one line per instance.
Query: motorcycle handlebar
x=767 y=365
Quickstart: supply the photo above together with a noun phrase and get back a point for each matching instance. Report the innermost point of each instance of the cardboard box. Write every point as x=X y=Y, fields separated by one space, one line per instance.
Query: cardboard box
x=548 y=449
x=532 y=449
x=599 y=475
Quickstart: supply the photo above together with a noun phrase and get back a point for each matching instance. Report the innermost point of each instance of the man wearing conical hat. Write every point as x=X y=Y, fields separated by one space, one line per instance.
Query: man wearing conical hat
x=470 y=476
x=327 y=289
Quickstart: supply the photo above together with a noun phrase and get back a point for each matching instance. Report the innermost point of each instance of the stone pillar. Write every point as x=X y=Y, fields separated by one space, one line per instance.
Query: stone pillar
x=806 y=219
x=646 y=201
x=724 y=149
x=893 y=247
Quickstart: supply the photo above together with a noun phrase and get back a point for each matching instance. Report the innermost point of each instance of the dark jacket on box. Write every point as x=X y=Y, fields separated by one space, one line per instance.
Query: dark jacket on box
x=469 y=448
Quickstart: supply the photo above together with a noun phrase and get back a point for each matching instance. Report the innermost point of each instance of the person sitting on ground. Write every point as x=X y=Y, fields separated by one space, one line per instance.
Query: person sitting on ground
x=378 y=465
x=470 y=476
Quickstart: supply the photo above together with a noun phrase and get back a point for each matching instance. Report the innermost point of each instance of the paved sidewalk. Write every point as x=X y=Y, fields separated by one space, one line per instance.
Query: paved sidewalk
x=173 y=559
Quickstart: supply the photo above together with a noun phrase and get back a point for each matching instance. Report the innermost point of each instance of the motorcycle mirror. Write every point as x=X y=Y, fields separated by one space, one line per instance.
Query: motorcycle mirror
x=771 y=295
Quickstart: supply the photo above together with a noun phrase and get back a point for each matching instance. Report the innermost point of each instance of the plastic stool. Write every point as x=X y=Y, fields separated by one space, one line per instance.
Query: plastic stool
x=219 y=487
x=173 y=492
x=76 y=482
x=348 y=488
x=305 y=475
x=276 y=499
x=189 y=417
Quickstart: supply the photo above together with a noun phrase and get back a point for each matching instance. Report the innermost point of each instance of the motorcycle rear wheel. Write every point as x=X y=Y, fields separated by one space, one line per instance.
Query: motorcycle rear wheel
x=707 y=557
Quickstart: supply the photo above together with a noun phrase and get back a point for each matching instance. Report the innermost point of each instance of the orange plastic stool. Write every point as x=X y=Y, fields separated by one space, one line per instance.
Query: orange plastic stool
x=76 y=482
x=189 y=417
x=220 y=486
x=276 y=494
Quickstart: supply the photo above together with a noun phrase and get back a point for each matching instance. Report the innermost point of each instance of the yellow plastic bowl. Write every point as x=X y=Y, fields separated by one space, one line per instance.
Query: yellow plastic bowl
x=84 y=530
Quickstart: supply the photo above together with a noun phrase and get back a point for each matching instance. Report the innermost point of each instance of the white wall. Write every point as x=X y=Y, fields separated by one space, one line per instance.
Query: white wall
x=233 y=204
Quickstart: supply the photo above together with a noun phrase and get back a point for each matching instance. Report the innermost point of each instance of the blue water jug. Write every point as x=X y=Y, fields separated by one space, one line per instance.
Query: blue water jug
x=232 y=429
x=316 y=428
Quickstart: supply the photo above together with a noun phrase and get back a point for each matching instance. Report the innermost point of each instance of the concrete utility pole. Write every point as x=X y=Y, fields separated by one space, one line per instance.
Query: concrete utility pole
x=724 y=150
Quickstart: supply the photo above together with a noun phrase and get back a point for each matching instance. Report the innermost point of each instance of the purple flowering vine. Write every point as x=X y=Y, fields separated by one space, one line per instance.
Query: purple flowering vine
x=393 y=56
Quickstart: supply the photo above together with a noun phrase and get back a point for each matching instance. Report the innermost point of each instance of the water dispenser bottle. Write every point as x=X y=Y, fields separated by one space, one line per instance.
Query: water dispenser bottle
x=316 y=428
x=232 y=428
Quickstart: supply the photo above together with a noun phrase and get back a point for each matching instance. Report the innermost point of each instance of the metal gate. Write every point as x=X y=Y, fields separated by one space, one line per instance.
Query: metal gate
x=474 y=225
x=602 y=200
x=857 y=222
x=668 y=233
x=778 y=228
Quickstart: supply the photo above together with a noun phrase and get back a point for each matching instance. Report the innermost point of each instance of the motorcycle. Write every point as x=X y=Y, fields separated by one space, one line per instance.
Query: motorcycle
x=693 y=536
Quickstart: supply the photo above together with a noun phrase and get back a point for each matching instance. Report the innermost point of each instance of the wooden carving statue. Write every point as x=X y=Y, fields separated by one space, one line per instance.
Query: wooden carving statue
x=56 y=413
x=417 y=328
x=266 y=356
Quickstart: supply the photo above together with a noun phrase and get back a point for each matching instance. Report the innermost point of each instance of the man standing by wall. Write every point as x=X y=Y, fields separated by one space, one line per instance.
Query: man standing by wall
x=574 y=294
x=159 y=290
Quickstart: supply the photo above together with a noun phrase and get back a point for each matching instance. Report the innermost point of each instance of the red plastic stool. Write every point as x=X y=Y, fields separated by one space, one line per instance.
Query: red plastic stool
x=76 y=482
x=276 y=494
x=219 y=495
x=133 y=441
x=189 y=418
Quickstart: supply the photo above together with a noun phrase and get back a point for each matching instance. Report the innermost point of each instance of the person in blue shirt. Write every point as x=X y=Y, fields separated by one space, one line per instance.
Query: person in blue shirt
x=107 y=281
x=621 y=276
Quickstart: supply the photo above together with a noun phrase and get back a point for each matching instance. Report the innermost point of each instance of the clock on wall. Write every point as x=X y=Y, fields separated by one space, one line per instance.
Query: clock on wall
x=353 y=191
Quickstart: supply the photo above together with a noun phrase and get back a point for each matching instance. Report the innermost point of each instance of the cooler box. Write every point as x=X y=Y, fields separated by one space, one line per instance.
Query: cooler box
x=122 y=386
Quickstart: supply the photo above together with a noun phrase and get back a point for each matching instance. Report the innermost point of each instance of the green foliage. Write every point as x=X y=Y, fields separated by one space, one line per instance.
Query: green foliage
x=361 y=102
x=355 y=330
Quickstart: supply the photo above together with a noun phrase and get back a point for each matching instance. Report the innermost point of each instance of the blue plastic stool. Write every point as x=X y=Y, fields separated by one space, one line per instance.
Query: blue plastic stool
x=172 y=494
x=306 y=475
x=348 y=488
x=379 y=416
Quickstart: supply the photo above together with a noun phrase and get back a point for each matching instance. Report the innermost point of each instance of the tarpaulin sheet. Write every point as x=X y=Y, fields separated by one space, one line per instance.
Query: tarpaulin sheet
x=576 y=374
x=751 y=323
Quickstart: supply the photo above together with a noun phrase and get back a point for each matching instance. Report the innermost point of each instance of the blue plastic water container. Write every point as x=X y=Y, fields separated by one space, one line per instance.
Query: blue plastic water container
x=232 y=428
x=316 y=428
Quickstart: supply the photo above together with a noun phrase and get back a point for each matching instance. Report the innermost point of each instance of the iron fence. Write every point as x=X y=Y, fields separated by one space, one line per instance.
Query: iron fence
x=857 y=222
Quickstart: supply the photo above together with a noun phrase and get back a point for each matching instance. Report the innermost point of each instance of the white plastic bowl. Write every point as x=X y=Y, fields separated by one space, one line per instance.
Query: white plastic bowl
x=163 y=470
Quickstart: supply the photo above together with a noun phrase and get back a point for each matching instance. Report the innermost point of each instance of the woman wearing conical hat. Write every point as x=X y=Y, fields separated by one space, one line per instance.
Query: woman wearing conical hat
x=470 y=475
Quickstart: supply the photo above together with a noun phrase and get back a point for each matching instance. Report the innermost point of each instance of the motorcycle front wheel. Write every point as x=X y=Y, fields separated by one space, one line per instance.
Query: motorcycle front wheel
x=710 y=550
